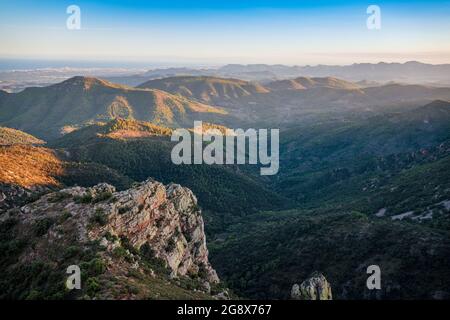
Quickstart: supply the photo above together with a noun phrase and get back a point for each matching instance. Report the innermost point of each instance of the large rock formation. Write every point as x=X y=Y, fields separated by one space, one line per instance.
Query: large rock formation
x=316 y=287
x=164 y=220
x=167 y=218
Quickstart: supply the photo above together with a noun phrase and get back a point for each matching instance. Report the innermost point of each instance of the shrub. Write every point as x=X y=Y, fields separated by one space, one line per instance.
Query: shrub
x=149 y=257
x=121 y=252
x=122 y=210
x=187 y=235
x=170 y=245
x=6 y=227
x=99 y=217
x=87 y=198
x=97 y=266
x=110 y=237
x=72 y=251
x=131 y=289
x=146 y=251
x=64 y=216
x=34 y=295
x=92 y=286
x=103 y=196
x=58 y=196
x=127 y=245
x=42 y=226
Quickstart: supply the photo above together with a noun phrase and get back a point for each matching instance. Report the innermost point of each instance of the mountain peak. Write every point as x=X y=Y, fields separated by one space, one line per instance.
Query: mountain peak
x=438 y=104
x=302 y=83
x=120 y=128
x=117 y=129
x=206 y=89
x=9 y=136
x=88 y=82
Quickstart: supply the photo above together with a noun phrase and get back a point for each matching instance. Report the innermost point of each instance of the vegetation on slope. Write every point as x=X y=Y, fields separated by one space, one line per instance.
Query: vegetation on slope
x=206 y=89
x=10 y=136
x=372 y=192
x=272 y=251
x=29 y=166
x=34 y=266
x=315 y=157
x=303 y=83
x=223 y=190
x=369 y=190
x=47 y=111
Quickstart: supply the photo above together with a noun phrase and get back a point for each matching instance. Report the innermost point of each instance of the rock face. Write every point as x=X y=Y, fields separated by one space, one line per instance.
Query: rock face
x=148 y=221
x=316 y=287
x=167 y=218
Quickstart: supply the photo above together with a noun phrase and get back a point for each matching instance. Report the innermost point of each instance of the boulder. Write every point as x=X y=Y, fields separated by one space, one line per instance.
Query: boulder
x=315 y=287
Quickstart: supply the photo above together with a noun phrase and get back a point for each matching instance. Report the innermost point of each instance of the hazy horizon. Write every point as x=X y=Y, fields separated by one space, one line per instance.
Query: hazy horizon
x=209 y=33
x=24 y=64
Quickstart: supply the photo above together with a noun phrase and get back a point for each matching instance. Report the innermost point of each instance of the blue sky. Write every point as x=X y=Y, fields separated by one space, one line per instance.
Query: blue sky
x=216 y=32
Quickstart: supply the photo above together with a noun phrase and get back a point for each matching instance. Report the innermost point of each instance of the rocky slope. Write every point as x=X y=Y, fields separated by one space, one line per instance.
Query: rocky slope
x=144 y=242
x=316 y=287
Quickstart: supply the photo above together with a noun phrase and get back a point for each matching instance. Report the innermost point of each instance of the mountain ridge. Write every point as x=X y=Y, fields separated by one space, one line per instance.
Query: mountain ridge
x=206 y=88
x=10 y=136
x=303 y=83
x=48 y=111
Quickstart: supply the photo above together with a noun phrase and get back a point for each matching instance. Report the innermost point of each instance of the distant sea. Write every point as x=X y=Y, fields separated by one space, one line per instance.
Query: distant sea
x=7 y=64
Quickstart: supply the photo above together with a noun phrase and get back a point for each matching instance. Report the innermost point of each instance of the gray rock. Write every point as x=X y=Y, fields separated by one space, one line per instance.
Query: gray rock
x=316 y=287
x=168 y=219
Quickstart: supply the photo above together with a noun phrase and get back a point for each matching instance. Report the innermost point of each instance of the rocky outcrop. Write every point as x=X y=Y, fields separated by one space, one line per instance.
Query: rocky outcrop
x=316 y=287
x=165 y=220
x=14 y=195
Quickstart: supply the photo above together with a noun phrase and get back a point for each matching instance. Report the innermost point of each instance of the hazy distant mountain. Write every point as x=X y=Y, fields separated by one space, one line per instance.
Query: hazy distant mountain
x=402 y=92
x=46 y=111
x=134 y=80
x=206 y=89
x=284 y=101
x=368 y=73
x=411 y=72
x=303 y=83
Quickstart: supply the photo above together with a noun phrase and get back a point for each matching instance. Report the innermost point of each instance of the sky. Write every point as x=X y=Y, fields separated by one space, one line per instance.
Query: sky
x=218 y=32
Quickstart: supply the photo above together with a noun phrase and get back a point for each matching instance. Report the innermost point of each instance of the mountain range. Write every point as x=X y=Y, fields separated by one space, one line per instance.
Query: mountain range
x=206 y=89
x=364 y=179
x=408 y=72
x=49 y=111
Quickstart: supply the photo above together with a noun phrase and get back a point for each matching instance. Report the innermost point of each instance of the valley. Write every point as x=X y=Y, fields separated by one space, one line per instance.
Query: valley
x=364 y=178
